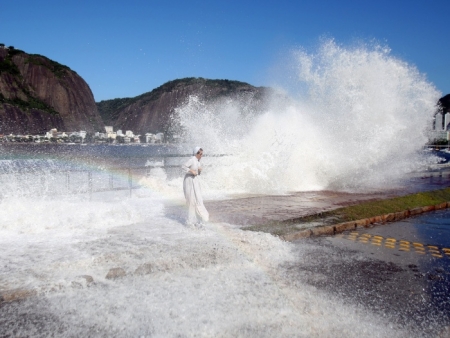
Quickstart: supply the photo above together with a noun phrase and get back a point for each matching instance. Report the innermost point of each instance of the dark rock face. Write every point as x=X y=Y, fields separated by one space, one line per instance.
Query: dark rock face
x=152 y=112
x=37 y=94
x=33 y=121
x=444 y=103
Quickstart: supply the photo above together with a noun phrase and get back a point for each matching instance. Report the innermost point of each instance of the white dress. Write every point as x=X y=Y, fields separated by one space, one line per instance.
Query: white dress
x=193 y=192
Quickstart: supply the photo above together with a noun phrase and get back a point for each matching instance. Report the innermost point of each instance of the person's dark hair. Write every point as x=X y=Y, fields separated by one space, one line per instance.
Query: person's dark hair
x=198 y=152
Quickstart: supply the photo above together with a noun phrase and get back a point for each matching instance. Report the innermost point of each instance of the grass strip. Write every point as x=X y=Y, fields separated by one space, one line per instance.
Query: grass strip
x=356 y=212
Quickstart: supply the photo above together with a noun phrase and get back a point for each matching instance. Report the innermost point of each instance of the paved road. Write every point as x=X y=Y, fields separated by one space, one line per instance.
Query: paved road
x=257 y=210
x=400 y=270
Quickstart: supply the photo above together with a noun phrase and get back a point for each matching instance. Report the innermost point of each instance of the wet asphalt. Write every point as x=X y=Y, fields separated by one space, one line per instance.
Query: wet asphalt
x=399 y=270
x=263 y=209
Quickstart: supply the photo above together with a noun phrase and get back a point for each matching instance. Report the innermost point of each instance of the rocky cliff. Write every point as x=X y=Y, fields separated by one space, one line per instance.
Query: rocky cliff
x=37 y=94
x=444 y=104
x=152 y=111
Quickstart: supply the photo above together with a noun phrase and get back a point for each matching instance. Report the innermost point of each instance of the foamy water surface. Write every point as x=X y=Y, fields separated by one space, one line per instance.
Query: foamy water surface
x=220 y=281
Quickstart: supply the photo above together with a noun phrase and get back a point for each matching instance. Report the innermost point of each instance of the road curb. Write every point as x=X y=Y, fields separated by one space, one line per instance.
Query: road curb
x=362 y=223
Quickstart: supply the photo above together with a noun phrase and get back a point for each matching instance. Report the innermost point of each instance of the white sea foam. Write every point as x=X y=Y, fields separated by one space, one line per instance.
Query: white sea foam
x=358 y=120
x=220 y=281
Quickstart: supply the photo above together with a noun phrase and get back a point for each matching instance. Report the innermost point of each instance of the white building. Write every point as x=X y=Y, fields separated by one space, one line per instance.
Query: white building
x=111 y=135
x=52 y=133
x=149 y=138
x=159 y=138
x=446 y=121
x=440 y=132
x=438 y=122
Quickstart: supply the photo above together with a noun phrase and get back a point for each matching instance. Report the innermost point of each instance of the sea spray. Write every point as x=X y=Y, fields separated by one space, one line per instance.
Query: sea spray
x=217 y=282
x=357 y=122
x=221 y=281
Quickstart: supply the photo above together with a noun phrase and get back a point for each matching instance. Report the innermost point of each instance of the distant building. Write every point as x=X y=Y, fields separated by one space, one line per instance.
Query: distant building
x=108 y=129
x=159 y=138
x=439 y=131
x=446 y=121
x=438 y=122
x=112 y=135
x=149 y=138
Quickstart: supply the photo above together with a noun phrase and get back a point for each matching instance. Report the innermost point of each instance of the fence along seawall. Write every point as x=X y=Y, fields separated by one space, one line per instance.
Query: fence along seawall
x=39 y=176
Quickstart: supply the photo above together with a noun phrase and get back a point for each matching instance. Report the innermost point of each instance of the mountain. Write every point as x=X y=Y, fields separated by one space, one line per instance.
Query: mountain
x=153 y=111
x=37 y=94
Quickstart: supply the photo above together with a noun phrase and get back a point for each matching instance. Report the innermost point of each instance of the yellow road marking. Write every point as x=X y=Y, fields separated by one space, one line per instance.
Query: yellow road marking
x=391 y=243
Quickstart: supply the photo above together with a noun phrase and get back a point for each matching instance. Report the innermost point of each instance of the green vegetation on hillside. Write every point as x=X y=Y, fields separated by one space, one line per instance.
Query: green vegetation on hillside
x=109 y=109
x=56 y=68
x=7 y=66
x=172 y=85
x=32 y=103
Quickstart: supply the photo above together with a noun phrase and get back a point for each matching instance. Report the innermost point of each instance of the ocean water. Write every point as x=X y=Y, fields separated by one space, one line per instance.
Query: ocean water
x=358 y=122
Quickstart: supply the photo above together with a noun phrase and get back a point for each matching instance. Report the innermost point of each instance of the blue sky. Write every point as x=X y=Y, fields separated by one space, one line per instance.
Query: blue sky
x=126 y=48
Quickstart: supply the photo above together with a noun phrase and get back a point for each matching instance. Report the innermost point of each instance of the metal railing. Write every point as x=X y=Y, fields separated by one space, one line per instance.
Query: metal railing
x=121 y=174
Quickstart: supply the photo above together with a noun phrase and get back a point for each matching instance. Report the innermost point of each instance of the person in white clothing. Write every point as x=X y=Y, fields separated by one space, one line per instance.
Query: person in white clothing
x=192 y=189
